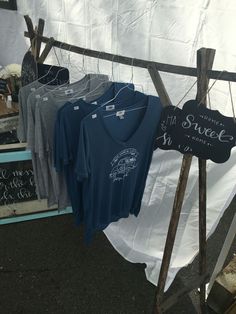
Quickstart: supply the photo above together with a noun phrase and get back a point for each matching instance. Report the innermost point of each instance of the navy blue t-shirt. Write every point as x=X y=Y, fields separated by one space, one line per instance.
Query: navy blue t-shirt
x=113 y=159
x=67 y=131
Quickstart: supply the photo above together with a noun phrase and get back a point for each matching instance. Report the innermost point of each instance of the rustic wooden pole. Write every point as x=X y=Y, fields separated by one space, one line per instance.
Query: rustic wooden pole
x=40 y=30
x=186 y=289
x=30 y=28
x=204 y=63
x=205 y=58
x=162 y=67
x=159 y=86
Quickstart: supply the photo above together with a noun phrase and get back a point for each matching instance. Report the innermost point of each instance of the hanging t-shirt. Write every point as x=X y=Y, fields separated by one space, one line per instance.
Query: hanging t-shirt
x=32 y=99
x=45 y=117
x=52 y=75
x=22 y=98
x=67 y=130
x=113 y=159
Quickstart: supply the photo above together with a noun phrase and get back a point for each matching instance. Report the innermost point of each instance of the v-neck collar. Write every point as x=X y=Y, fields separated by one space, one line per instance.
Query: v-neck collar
x=137 y=130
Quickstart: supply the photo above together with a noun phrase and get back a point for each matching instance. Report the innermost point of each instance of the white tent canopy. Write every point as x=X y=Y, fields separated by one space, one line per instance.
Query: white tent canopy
x=165 y=31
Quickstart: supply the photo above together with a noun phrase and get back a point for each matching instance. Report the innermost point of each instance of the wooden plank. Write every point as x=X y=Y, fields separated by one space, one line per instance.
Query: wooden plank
x=222 y=295
x=12 y=156
x=23 y=208
x=30 y=28
x=46 y=50
x=173 y=299
x=38 y=215
x=159 y=86
x=121 y=59
x=205 y=59
x=5 y=111
x=9 y=123
x=12 y=146
x=178 y=201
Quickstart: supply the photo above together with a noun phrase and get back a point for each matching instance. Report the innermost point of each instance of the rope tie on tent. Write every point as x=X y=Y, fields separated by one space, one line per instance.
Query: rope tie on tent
x=209 y=100
x=207 y=93
x=188 y=91
x=208 y=90
x=54 y=50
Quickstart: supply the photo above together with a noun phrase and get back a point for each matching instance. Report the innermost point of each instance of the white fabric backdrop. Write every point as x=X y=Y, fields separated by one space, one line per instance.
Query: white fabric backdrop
x=167 y=31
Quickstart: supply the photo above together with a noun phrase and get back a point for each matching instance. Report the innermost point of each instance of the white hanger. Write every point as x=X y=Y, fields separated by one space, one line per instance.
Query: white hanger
x=126 y=86
x=121 y=112
x=97 y=77
x=112 y=79
x=74 y=66
x=41 y=77
x=48 y=83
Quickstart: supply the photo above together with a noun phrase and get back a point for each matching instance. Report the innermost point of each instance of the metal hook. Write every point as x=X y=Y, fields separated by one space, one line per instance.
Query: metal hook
x=132 y=71
x=69 y=54
x=208 y=90
x=112 y=68
x=98 y=68
x=83 y=61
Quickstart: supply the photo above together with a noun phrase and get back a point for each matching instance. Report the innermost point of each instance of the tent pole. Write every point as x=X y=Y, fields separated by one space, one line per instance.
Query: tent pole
x=205 y=59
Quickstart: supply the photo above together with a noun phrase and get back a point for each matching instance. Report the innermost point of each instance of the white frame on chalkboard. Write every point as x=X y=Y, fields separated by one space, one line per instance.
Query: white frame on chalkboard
x=29 y=210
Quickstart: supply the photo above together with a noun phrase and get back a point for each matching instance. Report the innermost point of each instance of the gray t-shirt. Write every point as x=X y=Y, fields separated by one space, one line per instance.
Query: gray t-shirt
x=45 y=116
x=23 y=131
x=22 y=99
x=37 y=165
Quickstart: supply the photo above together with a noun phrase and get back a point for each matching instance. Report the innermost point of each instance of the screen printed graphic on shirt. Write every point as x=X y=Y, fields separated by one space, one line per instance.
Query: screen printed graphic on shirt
x=123 y=163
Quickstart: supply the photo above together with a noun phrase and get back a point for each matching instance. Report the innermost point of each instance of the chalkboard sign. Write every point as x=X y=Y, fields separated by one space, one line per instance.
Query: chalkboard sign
x=28 y=69
x=9 y=137
x=46 y=73
x=3 y=86
x=209 y=134
x=197 y=130
x=55 y=75
x=169 y=133
x=16 y=182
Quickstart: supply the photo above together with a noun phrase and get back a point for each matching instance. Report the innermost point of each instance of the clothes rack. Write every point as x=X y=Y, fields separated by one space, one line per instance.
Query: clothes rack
x=204 y=73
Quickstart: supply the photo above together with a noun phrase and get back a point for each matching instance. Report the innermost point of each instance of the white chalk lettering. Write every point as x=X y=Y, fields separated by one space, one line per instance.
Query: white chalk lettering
x=208 y=132
x=171 y=120
x=166 y=139
x=4 y=174
x=23 y=193
x=31 y=181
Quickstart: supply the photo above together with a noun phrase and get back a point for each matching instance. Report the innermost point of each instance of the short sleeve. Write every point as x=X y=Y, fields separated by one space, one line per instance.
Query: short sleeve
x=82 y=167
